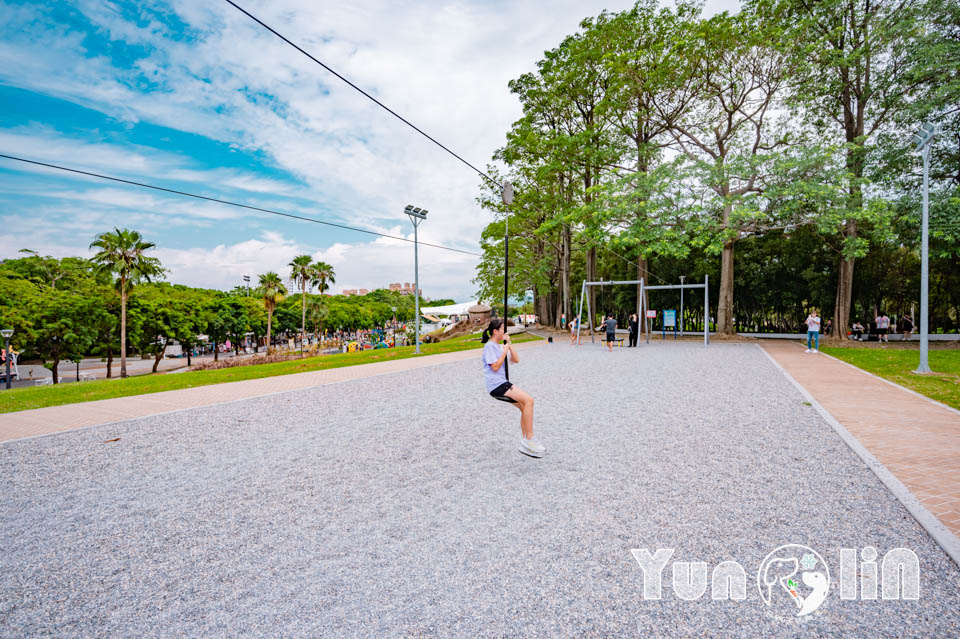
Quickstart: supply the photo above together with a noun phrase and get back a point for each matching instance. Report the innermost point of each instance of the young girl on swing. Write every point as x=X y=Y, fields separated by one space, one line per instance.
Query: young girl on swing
x=494 y=356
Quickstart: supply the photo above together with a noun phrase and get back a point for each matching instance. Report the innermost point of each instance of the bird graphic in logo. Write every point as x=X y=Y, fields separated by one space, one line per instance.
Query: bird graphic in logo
x=781 y=566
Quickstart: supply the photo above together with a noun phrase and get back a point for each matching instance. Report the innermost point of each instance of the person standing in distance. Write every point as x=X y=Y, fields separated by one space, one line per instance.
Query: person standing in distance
x=634 y=329
x=494 y=356
x=813 y=331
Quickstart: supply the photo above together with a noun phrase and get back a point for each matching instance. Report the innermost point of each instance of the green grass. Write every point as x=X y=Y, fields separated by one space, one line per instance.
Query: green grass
x=896 y=365
x=40 y=396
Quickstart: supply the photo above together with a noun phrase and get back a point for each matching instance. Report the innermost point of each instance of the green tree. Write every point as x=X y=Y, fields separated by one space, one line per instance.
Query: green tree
x=272 y=292
x=121 y=253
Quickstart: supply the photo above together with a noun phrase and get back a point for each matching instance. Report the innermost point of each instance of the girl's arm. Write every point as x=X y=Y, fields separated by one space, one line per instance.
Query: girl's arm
x=503 y=355
x=513 y=354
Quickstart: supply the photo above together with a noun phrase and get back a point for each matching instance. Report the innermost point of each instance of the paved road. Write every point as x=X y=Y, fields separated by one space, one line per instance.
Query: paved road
x=398 y=506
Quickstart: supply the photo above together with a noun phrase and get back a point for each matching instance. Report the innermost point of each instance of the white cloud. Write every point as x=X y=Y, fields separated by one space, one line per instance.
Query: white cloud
x=444 y=66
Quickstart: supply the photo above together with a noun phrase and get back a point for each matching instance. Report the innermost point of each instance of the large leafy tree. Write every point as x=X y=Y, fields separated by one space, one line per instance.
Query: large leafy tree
x=121 y=253
x=854 y=76
x=272 y=291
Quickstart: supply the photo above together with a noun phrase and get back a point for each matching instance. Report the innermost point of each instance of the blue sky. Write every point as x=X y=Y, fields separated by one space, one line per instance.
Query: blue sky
x=194 y=96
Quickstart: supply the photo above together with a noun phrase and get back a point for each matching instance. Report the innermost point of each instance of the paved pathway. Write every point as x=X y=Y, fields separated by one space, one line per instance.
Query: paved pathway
x=916 y=439
x=43 y=421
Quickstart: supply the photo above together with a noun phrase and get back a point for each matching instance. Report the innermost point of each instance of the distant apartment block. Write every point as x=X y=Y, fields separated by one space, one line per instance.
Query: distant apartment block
x=405 y=289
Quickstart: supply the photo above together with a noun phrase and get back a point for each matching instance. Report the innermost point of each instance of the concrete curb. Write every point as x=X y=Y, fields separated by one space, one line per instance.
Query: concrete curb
x=940 y=533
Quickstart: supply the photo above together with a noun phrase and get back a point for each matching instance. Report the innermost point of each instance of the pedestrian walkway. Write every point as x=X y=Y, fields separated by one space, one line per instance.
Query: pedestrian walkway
x=54 y=419
x=916 y=439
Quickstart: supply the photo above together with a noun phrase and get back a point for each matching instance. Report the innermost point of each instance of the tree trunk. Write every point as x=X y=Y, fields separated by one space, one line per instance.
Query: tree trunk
x=592 y=277
x=123 y=328
x=303 y=314
x=159 y=355
x=725 y=300
x=841 y=307
x=269 y=327
x=642 y=274
x=56 y=376
x=109 y=362
x=189 y=353
x=216 y=353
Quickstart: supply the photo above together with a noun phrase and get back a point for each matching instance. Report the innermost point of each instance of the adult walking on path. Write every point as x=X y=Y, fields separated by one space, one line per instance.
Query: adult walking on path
x=610 y=325
x=634 y=329
x=906 y=325
x=883 y=326
x=494 y=356
x=813 y=331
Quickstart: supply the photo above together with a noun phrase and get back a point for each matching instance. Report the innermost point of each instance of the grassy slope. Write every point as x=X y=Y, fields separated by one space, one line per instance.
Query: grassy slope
x=37 y=397
x=896 y=365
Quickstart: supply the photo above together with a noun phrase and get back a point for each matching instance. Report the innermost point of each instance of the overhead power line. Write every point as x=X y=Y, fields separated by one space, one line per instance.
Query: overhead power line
x=229 y=203
x=401 y=118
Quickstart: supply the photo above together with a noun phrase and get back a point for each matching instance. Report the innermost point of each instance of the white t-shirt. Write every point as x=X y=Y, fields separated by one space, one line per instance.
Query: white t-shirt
x=491 y=353
x=813 y=324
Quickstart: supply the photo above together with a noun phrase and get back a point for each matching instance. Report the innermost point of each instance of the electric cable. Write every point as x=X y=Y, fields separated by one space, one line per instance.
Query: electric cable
x=229 y=203
x=404 y=120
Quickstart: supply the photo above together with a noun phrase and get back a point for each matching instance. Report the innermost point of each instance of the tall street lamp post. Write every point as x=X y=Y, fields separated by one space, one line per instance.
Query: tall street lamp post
x=416 y=215
x=922 y=141
x=7 y=334
x=246 y=278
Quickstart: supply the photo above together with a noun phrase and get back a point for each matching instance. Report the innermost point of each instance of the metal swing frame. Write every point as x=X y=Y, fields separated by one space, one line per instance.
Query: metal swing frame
x=640 y=304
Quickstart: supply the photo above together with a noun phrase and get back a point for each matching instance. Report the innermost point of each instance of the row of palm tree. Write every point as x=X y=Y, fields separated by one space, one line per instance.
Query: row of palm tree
x=121 y=254
x=306 y=274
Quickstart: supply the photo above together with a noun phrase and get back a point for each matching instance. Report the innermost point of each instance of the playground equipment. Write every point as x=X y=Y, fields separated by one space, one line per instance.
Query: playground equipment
x=641 y=299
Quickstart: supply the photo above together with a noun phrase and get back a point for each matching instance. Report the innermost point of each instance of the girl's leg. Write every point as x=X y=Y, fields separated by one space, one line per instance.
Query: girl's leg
x=525 y=404
x=816 y=341
x=809 y=338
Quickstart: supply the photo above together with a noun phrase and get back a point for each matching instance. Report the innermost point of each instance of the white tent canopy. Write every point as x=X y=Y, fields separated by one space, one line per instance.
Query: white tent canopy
x=450 y=309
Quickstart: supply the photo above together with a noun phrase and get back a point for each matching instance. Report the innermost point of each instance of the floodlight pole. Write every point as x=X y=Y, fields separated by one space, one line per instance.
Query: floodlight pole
x=924 y=366
x=706 y=310
x=926 y=137
x=416 y=215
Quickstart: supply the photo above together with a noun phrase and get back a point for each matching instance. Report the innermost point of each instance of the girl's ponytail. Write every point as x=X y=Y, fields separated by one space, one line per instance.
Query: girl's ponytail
x=488 y=331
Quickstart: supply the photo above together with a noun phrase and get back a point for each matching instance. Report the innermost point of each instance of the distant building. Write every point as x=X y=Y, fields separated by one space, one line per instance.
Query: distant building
x=404 y=289
x=349 y=291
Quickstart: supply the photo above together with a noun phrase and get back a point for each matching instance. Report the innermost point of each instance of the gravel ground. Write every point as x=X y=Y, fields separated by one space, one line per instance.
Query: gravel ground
x=399 y=506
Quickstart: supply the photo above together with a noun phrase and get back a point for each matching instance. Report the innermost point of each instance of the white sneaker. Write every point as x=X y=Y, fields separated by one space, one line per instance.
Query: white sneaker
x=531 y=447
x=808 y=351
x=815 y=351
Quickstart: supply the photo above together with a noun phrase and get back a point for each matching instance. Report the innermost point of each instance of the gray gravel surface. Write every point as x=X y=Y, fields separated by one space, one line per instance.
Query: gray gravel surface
x=398 y=506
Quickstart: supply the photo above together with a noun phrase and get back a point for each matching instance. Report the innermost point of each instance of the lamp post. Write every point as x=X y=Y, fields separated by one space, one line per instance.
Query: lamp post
x=7 y=334
x=417 y=216
x=921 y=142
x=507 y=196
x=246 y=278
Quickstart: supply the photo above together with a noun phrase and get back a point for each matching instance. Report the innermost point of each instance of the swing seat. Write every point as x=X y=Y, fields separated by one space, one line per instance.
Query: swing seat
x=505 y=399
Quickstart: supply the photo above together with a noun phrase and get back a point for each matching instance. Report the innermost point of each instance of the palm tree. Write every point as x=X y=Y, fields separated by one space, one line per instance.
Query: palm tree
x=323 y=276
x=121 y=254
x=272 y=291
x=318 y=312
x=301 y=274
